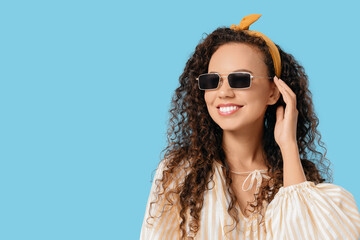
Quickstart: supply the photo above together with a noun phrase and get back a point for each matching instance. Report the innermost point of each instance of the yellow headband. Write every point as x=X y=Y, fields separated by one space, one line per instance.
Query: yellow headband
x=244 y=26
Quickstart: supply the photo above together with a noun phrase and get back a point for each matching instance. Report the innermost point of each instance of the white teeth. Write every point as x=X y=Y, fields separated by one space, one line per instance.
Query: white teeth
x=228 y=109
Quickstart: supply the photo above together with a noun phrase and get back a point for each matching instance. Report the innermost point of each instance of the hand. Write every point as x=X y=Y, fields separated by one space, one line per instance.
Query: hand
x=286 y=124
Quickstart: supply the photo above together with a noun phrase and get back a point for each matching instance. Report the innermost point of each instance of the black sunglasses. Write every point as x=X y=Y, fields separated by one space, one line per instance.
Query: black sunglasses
x=237 y=80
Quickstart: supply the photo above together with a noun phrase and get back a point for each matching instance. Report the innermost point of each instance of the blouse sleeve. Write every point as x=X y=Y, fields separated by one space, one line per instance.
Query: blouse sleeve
x=309 y=211
x=165 y=226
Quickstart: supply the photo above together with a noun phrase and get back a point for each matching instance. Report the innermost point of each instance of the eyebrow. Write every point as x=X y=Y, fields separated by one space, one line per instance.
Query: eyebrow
x=237 y=70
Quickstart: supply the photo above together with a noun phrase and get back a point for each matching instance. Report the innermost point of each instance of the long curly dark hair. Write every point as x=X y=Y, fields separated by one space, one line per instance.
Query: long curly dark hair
x=194 y=138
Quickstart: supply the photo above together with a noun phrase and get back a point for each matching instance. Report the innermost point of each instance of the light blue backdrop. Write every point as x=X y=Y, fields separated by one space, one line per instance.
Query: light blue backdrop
x=85 y=93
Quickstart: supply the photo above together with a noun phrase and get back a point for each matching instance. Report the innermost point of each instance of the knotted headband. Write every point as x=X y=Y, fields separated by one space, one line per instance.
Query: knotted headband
x=244 y=26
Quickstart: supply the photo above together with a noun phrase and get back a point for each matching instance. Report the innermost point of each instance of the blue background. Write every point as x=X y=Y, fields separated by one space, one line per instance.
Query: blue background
x=85 y=93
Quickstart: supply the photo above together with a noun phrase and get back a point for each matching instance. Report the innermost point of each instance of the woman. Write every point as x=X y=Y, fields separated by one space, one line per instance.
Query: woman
x=242 y=114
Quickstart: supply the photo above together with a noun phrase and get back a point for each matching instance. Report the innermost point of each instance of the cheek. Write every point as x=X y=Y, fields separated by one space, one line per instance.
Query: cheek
x=209 y=98
x=257 y=103
x=210 y=103
x=258 y=94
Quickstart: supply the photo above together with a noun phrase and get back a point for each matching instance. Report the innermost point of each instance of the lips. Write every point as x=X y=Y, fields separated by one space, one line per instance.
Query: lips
x=228 y=105
x=228 y=111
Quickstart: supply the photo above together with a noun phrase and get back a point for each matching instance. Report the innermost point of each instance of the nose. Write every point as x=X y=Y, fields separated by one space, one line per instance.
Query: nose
x=224 y=88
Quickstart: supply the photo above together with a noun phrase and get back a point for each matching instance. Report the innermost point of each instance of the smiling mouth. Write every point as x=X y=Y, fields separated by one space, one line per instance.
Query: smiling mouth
x=228 y=110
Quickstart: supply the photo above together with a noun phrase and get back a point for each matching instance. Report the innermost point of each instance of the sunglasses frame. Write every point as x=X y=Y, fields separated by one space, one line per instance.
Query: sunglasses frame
x=220 y=79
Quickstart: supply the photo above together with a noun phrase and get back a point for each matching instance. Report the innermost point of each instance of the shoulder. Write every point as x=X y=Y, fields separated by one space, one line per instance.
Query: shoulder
x=334 y=190
x=329 y=189
x=174 y=173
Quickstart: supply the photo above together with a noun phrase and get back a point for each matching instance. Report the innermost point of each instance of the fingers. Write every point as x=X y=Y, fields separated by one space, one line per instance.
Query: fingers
x=280 y=113
x=281 y=89
x=287 y=88
x=288 y=95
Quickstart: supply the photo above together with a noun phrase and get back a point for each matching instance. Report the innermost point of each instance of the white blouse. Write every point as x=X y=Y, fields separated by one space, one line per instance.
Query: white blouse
x=301 y=211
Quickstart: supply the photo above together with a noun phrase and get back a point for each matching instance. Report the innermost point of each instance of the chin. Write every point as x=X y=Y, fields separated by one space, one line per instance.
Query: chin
x=230 y=126
x=231 y=129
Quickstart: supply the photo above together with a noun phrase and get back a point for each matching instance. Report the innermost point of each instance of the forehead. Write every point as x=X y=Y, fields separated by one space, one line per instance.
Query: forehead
x=231 y=56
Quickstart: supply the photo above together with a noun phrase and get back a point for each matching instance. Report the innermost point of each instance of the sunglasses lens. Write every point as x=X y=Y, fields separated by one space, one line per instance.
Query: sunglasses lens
x=239 y=80
x=208 y=81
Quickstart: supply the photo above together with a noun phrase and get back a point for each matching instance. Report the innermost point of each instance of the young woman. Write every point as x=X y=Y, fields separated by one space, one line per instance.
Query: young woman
x=243 y=115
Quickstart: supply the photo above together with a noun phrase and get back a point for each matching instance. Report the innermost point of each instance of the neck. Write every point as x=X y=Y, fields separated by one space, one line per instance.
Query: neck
x=243 y=149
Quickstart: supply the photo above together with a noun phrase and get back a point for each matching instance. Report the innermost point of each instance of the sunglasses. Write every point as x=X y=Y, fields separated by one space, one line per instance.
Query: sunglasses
x=237 y=80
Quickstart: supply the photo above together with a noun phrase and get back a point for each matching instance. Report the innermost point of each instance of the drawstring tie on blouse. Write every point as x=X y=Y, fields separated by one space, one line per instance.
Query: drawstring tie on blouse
x=256 y=174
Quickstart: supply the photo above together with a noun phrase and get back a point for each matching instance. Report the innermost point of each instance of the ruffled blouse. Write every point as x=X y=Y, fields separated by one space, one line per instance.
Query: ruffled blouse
x=301 y=211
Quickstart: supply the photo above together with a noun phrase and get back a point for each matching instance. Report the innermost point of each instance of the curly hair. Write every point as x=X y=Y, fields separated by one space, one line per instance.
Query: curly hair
x=194 y=138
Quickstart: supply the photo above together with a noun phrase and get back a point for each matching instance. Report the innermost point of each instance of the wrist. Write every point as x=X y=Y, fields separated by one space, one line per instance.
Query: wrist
x=290 y=153
x=289 y=145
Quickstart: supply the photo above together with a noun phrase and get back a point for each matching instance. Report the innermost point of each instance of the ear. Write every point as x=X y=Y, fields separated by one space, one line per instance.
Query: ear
x=274 y=94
